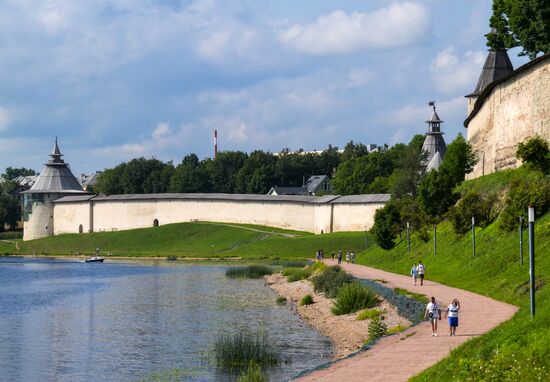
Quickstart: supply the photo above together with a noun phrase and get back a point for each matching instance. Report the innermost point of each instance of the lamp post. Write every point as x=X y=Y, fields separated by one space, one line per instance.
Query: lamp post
x=435 y=239
x=531 y=215
x=366 y=239
x=473 y=236
x=521 y=240
x=408 y=239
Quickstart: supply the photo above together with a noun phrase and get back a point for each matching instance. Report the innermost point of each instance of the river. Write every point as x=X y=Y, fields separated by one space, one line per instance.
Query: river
x=72 y=321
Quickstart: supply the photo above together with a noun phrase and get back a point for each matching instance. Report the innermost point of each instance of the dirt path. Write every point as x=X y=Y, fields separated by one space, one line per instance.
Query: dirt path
x=291 y=235
x=399 y=357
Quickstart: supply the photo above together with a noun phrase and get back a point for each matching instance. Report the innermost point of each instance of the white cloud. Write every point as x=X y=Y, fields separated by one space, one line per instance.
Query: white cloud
x=5 y=118
x=339 y=32
x=453 y=74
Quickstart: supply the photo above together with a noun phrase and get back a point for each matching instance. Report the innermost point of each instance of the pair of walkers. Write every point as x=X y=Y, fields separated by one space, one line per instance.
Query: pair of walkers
x=433 y=313
x=417 y=272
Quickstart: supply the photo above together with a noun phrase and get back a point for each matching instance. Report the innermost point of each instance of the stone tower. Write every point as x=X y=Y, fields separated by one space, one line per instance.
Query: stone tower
x=55 y=181
x=434 y=144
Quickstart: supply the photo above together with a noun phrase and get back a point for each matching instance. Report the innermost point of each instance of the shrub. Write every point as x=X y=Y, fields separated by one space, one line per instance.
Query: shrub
x=307 y=300
x=295 y=274
x=397 y=329
x=240 y=349
x=318 y=267
x=386 y=225
x=330 y=281
x=251 y=271
x=281 y=300
x=416 y=296
x=295 y=263
x=353 y=297
x=252 y=374
x=522 y=194
x=368 y=314
x=377 y=328
x=472 y=204
x=535 y=152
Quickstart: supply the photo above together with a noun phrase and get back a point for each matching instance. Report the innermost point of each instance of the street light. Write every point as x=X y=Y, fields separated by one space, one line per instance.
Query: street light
x=521 y=240
x=408 y=239
x=531 y=220
x=473 y=236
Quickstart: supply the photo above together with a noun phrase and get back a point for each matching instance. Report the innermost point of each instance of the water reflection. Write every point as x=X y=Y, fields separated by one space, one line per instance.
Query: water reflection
x=67 y=321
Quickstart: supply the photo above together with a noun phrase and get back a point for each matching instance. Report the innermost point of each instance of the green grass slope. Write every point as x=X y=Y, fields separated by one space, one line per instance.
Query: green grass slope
x=203 y=240
x=518 y=350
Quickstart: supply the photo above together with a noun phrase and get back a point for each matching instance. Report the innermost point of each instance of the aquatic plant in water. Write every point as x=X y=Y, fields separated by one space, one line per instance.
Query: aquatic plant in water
x=232 y=350
x=250 y=271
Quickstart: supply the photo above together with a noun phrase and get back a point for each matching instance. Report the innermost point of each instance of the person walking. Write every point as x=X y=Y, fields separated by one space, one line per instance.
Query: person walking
x=352 y=255
x=339 y=257
x=421 y=271
x=414 y=273
x=347 y=257
x=452 y=313
x=332 y=256
x=433 y=313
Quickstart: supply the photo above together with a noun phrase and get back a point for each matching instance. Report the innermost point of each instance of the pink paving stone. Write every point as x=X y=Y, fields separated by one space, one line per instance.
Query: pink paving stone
x=394 y=359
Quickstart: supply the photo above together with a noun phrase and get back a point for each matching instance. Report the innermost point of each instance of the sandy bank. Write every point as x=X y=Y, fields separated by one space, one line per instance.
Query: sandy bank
x=347 y=334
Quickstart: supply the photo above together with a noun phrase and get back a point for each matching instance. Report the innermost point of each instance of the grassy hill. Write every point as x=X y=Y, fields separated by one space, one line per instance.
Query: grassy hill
x=202 y=240
x=518 y=350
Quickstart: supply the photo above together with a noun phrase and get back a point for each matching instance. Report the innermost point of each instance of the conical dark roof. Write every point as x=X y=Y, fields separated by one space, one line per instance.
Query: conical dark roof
x=56 y=177
x=497 y=65
x=434 y=144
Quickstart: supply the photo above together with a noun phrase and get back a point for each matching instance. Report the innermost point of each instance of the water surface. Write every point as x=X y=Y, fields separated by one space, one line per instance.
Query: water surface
x=69 y=321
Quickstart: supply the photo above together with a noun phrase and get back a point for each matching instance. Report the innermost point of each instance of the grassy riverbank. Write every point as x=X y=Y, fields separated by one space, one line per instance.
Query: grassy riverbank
x=518 y=349
x=194 y=240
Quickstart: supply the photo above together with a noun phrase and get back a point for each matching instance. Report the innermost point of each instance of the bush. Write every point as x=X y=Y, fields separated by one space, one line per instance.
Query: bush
x=307 y=300
x=377 y=328
x=368 y=314
x=252 y=374
x=535 y=152
x=482 y=207
x=330 y=281
x=281 y=300
x=296 y=274
x=240 y=349
x=251 y=271
x=522 y=194
x=318 y=267
x=386 y=225
x=353 y=297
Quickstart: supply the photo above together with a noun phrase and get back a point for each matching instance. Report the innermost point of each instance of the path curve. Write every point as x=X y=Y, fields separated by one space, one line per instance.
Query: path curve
x=402 y=356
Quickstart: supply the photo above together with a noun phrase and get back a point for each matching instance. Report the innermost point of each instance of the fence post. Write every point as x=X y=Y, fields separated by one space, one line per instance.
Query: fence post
x=521 y=240
x=531 y=215
x=435 y=239
x=408 y=239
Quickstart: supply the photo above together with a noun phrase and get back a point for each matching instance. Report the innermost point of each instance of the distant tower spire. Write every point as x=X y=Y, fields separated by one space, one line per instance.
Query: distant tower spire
x=434 y=144
x=56 y=154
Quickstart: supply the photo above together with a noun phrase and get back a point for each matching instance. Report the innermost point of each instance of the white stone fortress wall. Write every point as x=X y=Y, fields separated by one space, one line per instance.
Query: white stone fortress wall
x=508 y=113
x=75 y=214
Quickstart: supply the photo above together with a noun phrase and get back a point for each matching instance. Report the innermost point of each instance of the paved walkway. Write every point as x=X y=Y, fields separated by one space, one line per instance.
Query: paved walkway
x=399 y=357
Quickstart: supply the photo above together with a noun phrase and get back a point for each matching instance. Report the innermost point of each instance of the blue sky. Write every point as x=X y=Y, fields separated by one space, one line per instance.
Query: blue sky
x=118 y=79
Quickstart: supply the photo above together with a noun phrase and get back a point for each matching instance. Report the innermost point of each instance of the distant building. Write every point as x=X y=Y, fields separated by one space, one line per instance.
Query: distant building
x=434 y=144
x=370 y=148
x=315 y=184
x=88 y=181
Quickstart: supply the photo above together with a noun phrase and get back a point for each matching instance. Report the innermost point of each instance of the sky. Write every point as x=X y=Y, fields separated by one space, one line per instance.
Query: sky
x=121 y=79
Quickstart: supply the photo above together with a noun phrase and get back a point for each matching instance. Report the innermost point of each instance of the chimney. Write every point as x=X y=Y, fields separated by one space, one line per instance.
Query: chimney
x=215 y=143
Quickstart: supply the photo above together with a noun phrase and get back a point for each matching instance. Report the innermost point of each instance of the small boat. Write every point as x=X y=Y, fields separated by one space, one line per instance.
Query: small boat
x=94 y=259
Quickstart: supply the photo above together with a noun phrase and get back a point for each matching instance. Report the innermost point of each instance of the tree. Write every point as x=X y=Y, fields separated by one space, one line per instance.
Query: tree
x=386 y=224
x=535 y=152
x=257 y=175
x=435 y=193
x=190 y=176
x=9 y=211
x=459 y=159
x=524 y=23
x=224 y=169
x=411 y=169
x=12 y=173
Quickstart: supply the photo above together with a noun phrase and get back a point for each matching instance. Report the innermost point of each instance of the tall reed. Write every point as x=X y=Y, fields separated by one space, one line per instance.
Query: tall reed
x=250 y=271
x=232 y=350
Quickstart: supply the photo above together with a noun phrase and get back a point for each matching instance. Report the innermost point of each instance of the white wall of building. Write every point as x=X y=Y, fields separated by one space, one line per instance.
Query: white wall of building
x=116 y=215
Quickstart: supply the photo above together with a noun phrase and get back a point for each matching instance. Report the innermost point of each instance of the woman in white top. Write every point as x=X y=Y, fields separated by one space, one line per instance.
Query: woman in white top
x=452 y=312
x=433 y=313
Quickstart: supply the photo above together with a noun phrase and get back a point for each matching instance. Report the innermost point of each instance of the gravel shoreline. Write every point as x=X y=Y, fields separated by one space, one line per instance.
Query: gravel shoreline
x=347 y=334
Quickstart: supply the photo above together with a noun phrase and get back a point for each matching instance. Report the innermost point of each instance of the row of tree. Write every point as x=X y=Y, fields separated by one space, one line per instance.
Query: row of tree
x=229 y=172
